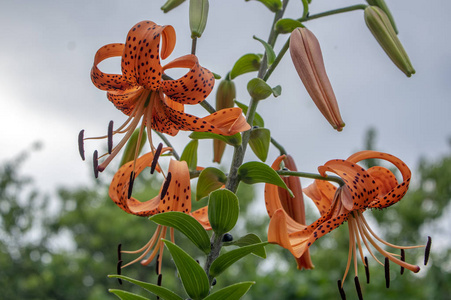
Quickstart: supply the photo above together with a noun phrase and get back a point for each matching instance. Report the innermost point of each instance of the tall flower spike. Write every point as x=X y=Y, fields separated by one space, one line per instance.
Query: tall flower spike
x=292 y=207
x=141 y=93
x=308 y=60
x=376 y=187
x=176 y=197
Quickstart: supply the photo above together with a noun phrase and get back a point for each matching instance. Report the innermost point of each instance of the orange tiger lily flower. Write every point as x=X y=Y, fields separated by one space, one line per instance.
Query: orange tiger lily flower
x=142 y=91
x=376 y=187
x=292 y=207
x=175 y=195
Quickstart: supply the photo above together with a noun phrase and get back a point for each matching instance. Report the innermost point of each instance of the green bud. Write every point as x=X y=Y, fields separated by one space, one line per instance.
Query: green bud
x=171 y=4
x=382 y=5
x=198 y=14
x=225 y=95
x=381 y=28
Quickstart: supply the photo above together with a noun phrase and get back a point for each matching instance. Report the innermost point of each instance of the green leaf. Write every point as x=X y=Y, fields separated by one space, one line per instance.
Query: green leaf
x=258 y=89
x=256 y=172
x=258 y=120
x=233 y=140
x=223 y=211
x=160 y=291
x=272 y=5
x=277 y=91
x=193 y=277
x=187 y=225
x=130 y=148
x=247 y=63
x=232 y=292
x=227 y=259
x=287 y=25
x=270 y=55
x=127 y=295
x=259 y=141
x=249 y=239
x=210 y=179
x=190 y=154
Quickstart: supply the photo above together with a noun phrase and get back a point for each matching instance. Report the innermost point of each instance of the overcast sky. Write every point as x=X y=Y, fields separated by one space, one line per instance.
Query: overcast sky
x=47 y=95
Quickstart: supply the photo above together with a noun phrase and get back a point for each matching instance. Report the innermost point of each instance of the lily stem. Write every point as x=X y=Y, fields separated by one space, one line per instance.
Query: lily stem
x=333 y=12
x=278 y=146
x=216 y=245
x=311 y=175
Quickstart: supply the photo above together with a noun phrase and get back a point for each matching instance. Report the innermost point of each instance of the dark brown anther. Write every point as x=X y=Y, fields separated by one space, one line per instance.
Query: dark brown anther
x=95 y=162
x=367 y=270
x=387 y=272
x=155 y=158
x=118 y=269
x=357 y=287
x=119 y=253
x=427 y=251
x=160 y=279
x=81 y=144
x=110 y=137
x=130 y=185
x=165 y=186
x=157 y=264
x=341 y=290
x=403 y=258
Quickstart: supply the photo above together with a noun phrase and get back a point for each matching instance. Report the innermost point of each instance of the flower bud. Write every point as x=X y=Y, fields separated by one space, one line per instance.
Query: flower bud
x=198 y=13
x=381 y=28
x=225 y=95
x=308 y=60
x=171 y=4
x=382 y=5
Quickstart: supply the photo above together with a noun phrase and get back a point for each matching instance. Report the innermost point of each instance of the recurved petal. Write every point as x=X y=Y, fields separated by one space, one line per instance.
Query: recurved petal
x=398 y=191
x=228 y=121
x=191 y=88
x=272 y=199
x=178 y=194
x=201 y=215
x=141 y=59
x=361 y=188
x=126 y=100
x=322 y=193
x=308 y=60
x=105 y=81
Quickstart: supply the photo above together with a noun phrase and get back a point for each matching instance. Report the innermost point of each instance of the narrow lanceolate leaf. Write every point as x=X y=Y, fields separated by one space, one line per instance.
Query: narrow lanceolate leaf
x=127 y=295
x=223 y=211
x=272 y=5
x=245 y=64
x=270 y=55
x=258 y=120
x=233 y=140
x=193 y=277
x=130 y=148
x=210 y=179
x=256 y=172
x=187 y=225
x=249 y=239
x=198 y=14
x=190 y=154
x=232 y=292
x=227 y=259
x=160 y=291
x=258 y=89
x=259 y=141
x=287 y=25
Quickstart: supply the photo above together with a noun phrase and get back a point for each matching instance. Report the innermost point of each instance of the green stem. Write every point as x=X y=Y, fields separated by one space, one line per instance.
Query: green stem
x=333 y=12
x=312 y=176
x=216 y=245
x=277 y=60
x=278 y=146
x=193 y=46
x=208 y=107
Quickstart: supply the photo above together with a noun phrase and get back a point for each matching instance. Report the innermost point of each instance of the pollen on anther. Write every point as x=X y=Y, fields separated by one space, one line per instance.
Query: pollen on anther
x=118 y=269
x=357 y=287
x=387 y=272
x=81 y=145
x=95 y=162
x=340 y=289
x=110 y=137
x=130 y=186
x=119 y=253
x=155 y=158
x=367 y=270
x=165 y=186
x=403 y=258
x=427 y=251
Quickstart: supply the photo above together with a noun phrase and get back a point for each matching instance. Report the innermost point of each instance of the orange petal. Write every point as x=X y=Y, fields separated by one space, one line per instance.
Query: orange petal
x=141 y=58
x=322 y=193
x=272 y=199
x=191 y=88
x=178 y=195
x=105 y=81
x=228 y=121
x=126 y=100
x=201 y=215
x=119 y=186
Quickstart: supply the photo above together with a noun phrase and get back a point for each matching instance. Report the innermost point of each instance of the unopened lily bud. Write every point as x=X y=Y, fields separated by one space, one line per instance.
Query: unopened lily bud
x=382 y=5
x=381 y=28
x=171 y=4
x=308 y=60
x=225 y=95
x=198 y=14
